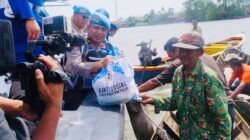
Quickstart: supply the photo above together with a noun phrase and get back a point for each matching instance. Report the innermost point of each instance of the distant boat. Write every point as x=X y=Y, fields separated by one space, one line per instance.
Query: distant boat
x=216 y=48
x=143 y=74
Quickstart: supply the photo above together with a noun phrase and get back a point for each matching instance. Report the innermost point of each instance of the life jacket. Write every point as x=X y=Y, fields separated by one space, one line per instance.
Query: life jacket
x=92 y=55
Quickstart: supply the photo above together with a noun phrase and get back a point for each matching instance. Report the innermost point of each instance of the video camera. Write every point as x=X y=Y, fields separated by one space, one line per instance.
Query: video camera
x=57 y=41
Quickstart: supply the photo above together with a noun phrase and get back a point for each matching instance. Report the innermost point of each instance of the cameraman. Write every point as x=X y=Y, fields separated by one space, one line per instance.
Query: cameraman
x=52 y=95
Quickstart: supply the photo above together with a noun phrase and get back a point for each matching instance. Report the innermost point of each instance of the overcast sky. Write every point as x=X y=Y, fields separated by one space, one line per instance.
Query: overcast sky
x=125 y=8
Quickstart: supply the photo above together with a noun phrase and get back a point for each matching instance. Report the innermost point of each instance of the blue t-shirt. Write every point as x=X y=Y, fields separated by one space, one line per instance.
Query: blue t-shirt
x=22 y=9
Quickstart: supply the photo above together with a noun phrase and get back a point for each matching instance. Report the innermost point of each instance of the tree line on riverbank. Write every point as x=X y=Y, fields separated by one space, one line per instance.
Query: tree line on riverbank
x=202 y=10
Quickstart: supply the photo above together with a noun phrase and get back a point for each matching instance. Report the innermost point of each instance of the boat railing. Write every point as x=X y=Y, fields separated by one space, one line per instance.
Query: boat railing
x=221 y=59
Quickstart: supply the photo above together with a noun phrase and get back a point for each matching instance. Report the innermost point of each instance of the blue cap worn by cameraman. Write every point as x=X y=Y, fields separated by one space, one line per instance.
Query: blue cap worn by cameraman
x=81 y=10
x=100 y=19
x=103 y=11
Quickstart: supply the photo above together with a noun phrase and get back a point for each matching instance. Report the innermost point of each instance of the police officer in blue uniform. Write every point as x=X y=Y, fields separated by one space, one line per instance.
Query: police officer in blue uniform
x=80 y=20
x=26 y=22
x=96 y=53
x=112 y=31
x=86 y=61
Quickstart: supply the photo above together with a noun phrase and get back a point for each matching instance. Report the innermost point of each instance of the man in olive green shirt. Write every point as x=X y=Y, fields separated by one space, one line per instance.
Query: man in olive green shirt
x=197 y=95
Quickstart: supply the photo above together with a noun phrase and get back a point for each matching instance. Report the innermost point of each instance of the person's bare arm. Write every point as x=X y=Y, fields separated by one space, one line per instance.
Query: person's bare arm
x=230 y=83
x=154 y=52
x=17 y=108
x=77 y=66
x=241 y=86
x=52 y=95
x=149 y=85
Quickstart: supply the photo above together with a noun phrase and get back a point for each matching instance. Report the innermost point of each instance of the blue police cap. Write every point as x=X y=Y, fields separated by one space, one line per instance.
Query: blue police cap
x=100 y=19
x=81 y=10
x=103 y=11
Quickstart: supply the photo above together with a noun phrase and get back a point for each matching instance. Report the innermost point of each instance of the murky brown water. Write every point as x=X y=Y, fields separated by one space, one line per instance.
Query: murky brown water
x=162 y=91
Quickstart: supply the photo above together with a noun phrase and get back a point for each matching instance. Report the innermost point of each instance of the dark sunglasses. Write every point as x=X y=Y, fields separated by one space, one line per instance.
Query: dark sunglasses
x=85 y=17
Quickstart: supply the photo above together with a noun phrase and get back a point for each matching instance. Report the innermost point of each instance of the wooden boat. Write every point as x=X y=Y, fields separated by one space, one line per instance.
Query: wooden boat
x=241 y=129
x=142 y=74
x=241 y=105
x=217 y=48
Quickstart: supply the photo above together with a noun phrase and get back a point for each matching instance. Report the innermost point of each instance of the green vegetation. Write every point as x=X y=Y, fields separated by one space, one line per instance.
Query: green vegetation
x=151 y=18
x=202 y=10
x=209 y=10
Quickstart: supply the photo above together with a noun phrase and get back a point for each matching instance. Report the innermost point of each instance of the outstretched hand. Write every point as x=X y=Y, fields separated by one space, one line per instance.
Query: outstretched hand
x=146 y=99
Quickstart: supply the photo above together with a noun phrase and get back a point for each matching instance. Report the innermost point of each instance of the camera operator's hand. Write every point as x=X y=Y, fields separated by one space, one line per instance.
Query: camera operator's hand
x=32 y=29
x=52 y=95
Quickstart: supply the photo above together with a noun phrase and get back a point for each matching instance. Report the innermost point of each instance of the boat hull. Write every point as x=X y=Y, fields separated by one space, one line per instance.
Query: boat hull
x=217 y=48
x=143 y=74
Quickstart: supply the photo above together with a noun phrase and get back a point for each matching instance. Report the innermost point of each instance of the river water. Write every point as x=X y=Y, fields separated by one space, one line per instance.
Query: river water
x=127 y=38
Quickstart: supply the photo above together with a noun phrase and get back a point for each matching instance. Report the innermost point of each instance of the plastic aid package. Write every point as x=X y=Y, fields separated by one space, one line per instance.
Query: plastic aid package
x=115 y=84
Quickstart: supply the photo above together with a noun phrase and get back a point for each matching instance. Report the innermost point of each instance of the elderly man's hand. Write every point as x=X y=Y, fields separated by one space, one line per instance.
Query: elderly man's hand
x=146 y=99
x=32 y=29
x=51 y=93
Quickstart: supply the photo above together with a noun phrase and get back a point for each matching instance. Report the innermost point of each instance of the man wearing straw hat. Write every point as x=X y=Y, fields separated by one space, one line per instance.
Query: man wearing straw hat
x=145 y=54
x=197 y=95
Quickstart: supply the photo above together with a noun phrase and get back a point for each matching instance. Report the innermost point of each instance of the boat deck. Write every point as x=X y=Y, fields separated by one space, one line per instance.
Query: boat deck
x=92 y=122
